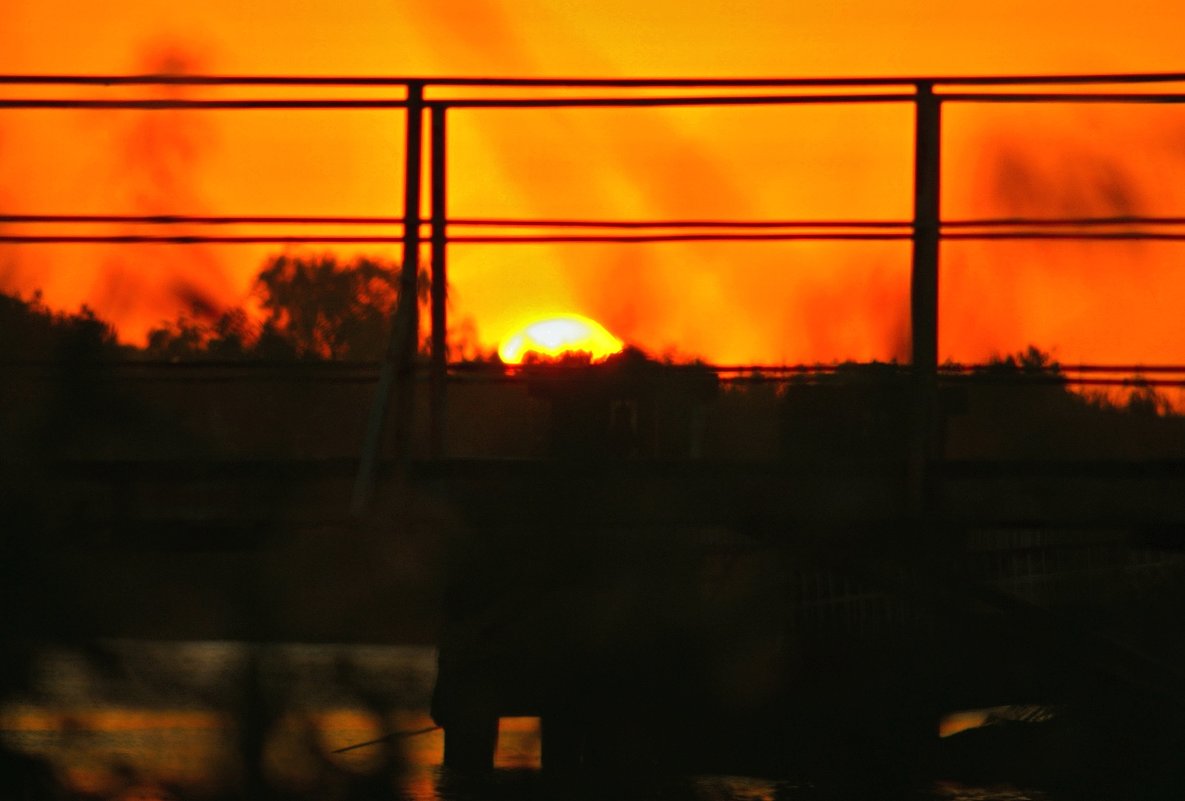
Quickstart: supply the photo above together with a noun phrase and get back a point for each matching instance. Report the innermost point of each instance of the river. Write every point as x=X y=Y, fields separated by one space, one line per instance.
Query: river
x=147 y=721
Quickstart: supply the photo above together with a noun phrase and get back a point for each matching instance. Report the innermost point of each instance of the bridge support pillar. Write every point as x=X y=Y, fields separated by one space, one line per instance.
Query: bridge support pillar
x=470 y=742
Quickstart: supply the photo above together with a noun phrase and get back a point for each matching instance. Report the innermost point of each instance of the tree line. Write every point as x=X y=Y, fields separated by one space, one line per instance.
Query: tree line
x=306 y=308
x=315 y=308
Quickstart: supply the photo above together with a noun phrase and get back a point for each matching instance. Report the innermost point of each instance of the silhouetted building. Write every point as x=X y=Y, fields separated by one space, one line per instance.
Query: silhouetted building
x=628 y=407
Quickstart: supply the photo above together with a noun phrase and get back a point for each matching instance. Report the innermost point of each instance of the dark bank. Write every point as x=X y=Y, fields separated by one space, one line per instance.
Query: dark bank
x=665 y=588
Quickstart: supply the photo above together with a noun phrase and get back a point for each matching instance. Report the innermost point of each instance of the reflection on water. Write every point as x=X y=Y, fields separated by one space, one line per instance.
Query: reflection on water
x=220 y=720
x=208 y=720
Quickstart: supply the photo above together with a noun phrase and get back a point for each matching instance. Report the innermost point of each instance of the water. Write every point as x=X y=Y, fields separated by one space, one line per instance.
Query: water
x=213 y=720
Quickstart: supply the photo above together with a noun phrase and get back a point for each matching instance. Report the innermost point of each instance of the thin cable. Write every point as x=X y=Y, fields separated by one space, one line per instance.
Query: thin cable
x=207 y=105
x=526 y=222
x=557 y=239
x=1062 y=221
x=196 y=239
x=395 y=735
x=162 y=104
x=577 y=82
x=1169 y=98
x=459 y=222
x=713 y=100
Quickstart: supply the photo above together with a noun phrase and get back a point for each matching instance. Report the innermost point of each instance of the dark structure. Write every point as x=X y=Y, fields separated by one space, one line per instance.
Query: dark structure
x=797 y=616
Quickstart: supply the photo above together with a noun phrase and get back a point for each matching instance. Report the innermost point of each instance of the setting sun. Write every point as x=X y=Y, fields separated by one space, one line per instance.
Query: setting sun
x=557 y=335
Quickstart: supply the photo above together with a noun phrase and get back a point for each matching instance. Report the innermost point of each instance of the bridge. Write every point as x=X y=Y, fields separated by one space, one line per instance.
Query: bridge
x=842 y=512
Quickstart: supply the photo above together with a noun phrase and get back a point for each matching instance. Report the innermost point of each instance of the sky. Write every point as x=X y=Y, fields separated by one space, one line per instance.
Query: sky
x=738 y=303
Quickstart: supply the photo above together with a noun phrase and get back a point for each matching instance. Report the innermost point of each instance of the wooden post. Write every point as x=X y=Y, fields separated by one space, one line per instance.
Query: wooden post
x=397 y=374
x=439 y=381
x=924 y=291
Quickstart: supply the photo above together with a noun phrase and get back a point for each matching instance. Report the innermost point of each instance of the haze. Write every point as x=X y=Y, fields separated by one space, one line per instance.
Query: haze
x=723 y=302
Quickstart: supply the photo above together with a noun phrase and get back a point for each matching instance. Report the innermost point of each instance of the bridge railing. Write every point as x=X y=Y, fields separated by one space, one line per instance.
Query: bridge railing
x=427 y=104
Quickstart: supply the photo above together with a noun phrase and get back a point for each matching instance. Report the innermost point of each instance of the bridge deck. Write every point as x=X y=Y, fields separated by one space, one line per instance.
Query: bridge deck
x=282 y=494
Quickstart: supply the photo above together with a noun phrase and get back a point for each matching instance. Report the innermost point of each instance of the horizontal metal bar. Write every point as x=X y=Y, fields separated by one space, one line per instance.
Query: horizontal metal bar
x=347 y=365
x=198 y=219
x=981 y=374
x=496 y=222
x=764 y=378
x=508 y=239
x=1118 y=368
x=713 y=100
x=489 y=103
x=1041 y=379
x=351 y=372
x=199 y=365
x=1064 y=97
x=503 y=222
x=558 y=239
x=1062 y=221
x=976 y=368
x=171 y=469
x=207 y=105
x=773 y=377
x=163 y=104
x=196 y=239
x=1140 y=236
x=587 y=83
x=471 y=222
x=206 y=80
x=797 y=369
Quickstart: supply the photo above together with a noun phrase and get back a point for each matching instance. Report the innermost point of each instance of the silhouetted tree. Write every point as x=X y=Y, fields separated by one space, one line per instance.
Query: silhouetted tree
x=1145 y=401
x=313 y=308
x=179 y=340
x=327 y=310
x=1032 y=362
x=31 y=332
x=229 y=336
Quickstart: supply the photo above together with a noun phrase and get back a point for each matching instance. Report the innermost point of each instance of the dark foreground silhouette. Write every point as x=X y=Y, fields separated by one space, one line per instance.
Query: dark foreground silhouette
x=676 y=575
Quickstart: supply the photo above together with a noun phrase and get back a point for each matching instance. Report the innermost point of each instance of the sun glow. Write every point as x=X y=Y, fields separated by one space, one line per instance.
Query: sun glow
x=557 y=335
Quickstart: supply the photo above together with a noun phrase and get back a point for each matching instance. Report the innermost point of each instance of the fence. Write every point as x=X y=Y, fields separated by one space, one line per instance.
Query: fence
x=428 y=103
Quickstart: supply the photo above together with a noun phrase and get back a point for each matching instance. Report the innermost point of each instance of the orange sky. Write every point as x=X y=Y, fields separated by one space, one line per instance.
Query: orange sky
x=726 y=302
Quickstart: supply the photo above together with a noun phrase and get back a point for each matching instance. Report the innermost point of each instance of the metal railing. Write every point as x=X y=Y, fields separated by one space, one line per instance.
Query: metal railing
x=426 y=103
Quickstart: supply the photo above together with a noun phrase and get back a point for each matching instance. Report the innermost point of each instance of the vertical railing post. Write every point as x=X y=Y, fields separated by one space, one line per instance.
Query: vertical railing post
x=924 y=291
x=397 y=373
x=439 y=379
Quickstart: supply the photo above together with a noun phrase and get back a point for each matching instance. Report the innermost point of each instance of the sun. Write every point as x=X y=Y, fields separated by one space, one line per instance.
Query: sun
x=553 y=336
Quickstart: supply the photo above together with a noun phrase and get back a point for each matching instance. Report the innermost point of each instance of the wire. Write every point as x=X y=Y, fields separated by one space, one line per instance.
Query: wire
x=571 y=222
x=556 y=239
x=208 y=105
x=455 y=222
x=395 y=735
x=161 y=104
x=575 y=82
